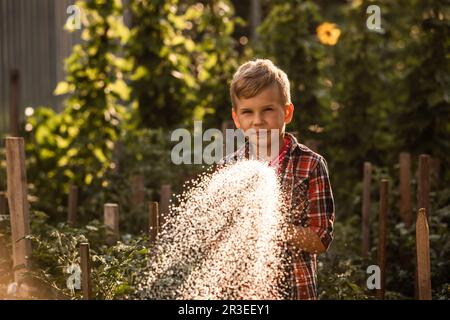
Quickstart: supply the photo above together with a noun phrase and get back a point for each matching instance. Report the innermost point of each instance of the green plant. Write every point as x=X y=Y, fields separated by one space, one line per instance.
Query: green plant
x=288 y=36
x=76 y=145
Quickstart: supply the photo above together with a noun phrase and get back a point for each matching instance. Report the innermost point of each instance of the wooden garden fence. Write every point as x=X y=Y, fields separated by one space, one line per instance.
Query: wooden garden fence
x=16 y=199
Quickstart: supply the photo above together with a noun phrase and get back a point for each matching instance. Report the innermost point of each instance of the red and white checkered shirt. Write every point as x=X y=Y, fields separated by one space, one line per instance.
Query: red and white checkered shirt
x=307 y=191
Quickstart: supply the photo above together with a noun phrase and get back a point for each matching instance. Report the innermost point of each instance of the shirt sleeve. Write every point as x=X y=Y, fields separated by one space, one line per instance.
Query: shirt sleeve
x=321 y=203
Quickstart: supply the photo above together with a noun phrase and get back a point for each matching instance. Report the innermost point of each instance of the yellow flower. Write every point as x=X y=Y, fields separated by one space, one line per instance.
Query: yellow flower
x=328 y=33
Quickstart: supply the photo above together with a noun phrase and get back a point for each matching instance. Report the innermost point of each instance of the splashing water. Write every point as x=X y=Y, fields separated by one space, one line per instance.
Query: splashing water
x=224 y=239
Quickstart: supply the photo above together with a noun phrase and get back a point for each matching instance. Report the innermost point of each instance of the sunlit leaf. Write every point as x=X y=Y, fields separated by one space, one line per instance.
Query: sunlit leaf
x=62 y=88
x=121 y=88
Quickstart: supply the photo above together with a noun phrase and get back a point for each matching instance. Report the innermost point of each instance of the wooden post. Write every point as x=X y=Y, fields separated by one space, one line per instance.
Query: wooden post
x=117 y=151
x=73 y=202
x=382 y=227
x=423 y=185
x=366 y=208
x=85 y=262
x=423 y=190
x=423 y=256
x=255 y=18
x=166 y=192
x=111 y=220
x=14 y=102
x=138 y=190
x=153 y=221
x=18 y=204
x=405 y=188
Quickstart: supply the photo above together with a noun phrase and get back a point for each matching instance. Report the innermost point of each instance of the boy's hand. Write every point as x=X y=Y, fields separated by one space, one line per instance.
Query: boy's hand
x=301 y=238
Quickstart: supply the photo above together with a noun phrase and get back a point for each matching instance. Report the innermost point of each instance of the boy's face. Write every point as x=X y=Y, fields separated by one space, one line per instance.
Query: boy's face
x=263 y=111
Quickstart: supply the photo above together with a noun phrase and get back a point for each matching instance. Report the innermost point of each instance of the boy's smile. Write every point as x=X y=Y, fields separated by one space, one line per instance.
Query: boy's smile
x=263 y=111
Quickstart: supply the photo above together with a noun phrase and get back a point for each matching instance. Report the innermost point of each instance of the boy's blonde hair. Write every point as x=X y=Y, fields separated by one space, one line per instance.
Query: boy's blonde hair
x=254 y=76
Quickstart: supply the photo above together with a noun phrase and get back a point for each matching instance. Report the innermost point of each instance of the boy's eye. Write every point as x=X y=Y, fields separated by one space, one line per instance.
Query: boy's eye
x=245 y=111
x=268 y=109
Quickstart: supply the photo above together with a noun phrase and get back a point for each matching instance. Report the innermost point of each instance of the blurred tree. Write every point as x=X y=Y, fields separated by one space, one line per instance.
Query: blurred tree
x=217 y=60
x=422 y=119
x=365 y=95
x=362 y=101
x=288 y=37
x=183 y=54
x=162 y=81
x=76 y=145
x=390 y=90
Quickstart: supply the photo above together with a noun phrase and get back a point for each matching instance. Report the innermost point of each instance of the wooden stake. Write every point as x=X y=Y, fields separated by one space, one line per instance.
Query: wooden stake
x=117 y=151
x=153 y=221
x=384 y=194
x=423 y=186
x=138 y=191
x=73 y=202
x=18 y=204
x=366 y=208
x=166 y=192
x=423 y=256
x=405 y=188
x=85 y=271
x=111 y=220
x=423 y=189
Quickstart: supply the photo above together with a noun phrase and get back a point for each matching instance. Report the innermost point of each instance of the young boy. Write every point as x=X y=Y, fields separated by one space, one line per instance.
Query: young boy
x=260 y=94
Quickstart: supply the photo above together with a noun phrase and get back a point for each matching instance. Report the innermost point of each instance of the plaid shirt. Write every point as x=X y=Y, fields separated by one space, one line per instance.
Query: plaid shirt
x=307 y=190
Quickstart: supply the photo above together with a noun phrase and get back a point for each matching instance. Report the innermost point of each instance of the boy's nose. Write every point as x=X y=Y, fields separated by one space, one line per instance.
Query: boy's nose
x=258 y=120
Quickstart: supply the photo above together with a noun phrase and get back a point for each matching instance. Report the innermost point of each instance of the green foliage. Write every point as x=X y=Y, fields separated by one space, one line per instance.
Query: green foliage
x=183 y=56
x=377 y=93
x=287 y=36
x=165 y=69
x=217 y=60
x=55 y=249
x=423 y=113
x=342 y=270
x=385 y=82
x=143 y=152
x=162 y=80
x=362 y=96
x=76 y=145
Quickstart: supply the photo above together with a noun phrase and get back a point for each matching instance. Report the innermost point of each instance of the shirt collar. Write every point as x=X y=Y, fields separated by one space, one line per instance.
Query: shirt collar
x=242 y=152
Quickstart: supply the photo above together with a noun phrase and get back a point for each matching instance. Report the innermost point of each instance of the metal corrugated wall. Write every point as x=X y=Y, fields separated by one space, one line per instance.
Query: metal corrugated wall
x=33 y=41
